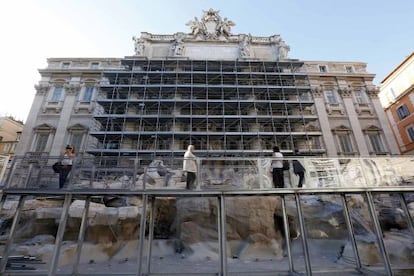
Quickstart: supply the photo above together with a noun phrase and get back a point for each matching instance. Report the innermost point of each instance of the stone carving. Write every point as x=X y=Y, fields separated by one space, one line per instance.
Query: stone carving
x=211 y=26
x=72 y=89
x=245 y=46
x=139 y=46
x=42 y=89
x=197 y=27
x=283 y=50
x=345 y=92
x=224 y=27
x=178 y=46
x=373 y=93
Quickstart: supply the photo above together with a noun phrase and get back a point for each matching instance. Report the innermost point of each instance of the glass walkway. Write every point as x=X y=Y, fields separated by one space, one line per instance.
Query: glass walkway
x=352 y=216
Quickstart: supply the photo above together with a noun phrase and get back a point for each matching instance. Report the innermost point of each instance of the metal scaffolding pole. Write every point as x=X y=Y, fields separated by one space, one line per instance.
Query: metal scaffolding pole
x=59 y=235
x=222 y=234
x=407 y=213
x=287 y=233
x=142 y=233
x=151 y=233
x=10 y=239
x=351 y=232
x=379 y=234
x=304 y=235
x=81 y=236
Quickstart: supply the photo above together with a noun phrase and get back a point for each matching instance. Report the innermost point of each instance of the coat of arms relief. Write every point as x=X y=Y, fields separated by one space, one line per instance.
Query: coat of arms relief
x=211 y=27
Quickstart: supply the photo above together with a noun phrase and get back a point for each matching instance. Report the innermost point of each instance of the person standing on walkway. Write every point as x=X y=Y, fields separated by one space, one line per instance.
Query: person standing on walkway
x=299 y=170
x=277 y=168
x=66 y=164
x=190 y=166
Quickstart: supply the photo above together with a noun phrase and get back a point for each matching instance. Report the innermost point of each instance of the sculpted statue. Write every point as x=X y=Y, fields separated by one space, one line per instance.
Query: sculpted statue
x=139 y=46
x=196 y=26
x=211 y=15
x=178 y=46
x=283 y=50
x=211 y=26
x=244 y=46
x=224 y=27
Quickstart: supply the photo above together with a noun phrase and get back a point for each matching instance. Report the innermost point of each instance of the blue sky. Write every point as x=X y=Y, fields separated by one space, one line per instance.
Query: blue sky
x=380 y=33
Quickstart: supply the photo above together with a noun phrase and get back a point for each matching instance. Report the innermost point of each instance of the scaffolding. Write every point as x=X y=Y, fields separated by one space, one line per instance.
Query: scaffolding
x=156 y=108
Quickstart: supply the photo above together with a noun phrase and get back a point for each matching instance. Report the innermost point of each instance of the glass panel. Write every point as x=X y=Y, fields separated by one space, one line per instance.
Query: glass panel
x=41 y=142
x=57 y=94
x=345 y=143
x=87 y=96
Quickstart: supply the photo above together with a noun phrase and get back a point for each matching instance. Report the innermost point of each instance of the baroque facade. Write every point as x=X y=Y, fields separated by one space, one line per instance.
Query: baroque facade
x=230 y=95
x=397 y=97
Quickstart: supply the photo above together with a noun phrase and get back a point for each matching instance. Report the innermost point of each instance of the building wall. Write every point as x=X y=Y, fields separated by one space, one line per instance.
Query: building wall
x=342 y=110
x=397 y=99
x=350 y=114
x=10 y=133
x=64 y=105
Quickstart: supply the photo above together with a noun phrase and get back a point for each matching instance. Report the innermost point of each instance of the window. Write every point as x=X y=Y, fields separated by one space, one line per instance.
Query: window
x=94 y=65
x=65 y=65
x=87 y=96
x=361 y=97
x=330 y=96
x=402 y=112
x=410 y=131
x=323 y=69
x=345 y=143
x=6 y=148
x=41 y=142
x=349 y=69
x=57 y=94
x=76 y=140
x=376 y=142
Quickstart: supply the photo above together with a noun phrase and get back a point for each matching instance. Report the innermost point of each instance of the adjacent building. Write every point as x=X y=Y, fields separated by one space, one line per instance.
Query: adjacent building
x=10 y=133
x=230 y=95
x=397 y=97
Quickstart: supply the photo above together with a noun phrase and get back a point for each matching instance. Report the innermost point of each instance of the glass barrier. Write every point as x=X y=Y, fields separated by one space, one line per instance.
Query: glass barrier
x=212 y=173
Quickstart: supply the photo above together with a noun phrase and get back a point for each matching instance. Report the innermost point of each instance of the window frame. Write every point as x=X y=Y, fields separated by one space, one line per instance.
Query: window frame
x=402 y=112
x=65 y=65
x=410 y=132
x=88 y=93
x=376 y=142
x=345 y=143
x=361 y=97
x=323 y=68
x=95 y=65
x=41 y=141
x=349 y=69
x=331 y=94
x=57 y=94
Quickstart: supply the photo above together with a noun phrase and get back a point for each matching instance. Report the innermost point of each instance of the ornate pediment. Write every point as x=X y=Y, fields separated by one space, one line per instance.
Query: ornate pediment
x=372 y=128
x=44 y=127
x=211 y=26
x=342 y=128
x=77 y=127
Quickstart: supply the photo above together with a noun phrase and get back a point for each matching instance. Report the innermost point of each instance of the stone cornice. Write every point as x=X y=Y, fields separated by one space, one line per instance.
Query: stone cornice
x=373 y=93
x=72 y=89
x=317 y=91
x=345 y=92
x=42 y=89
